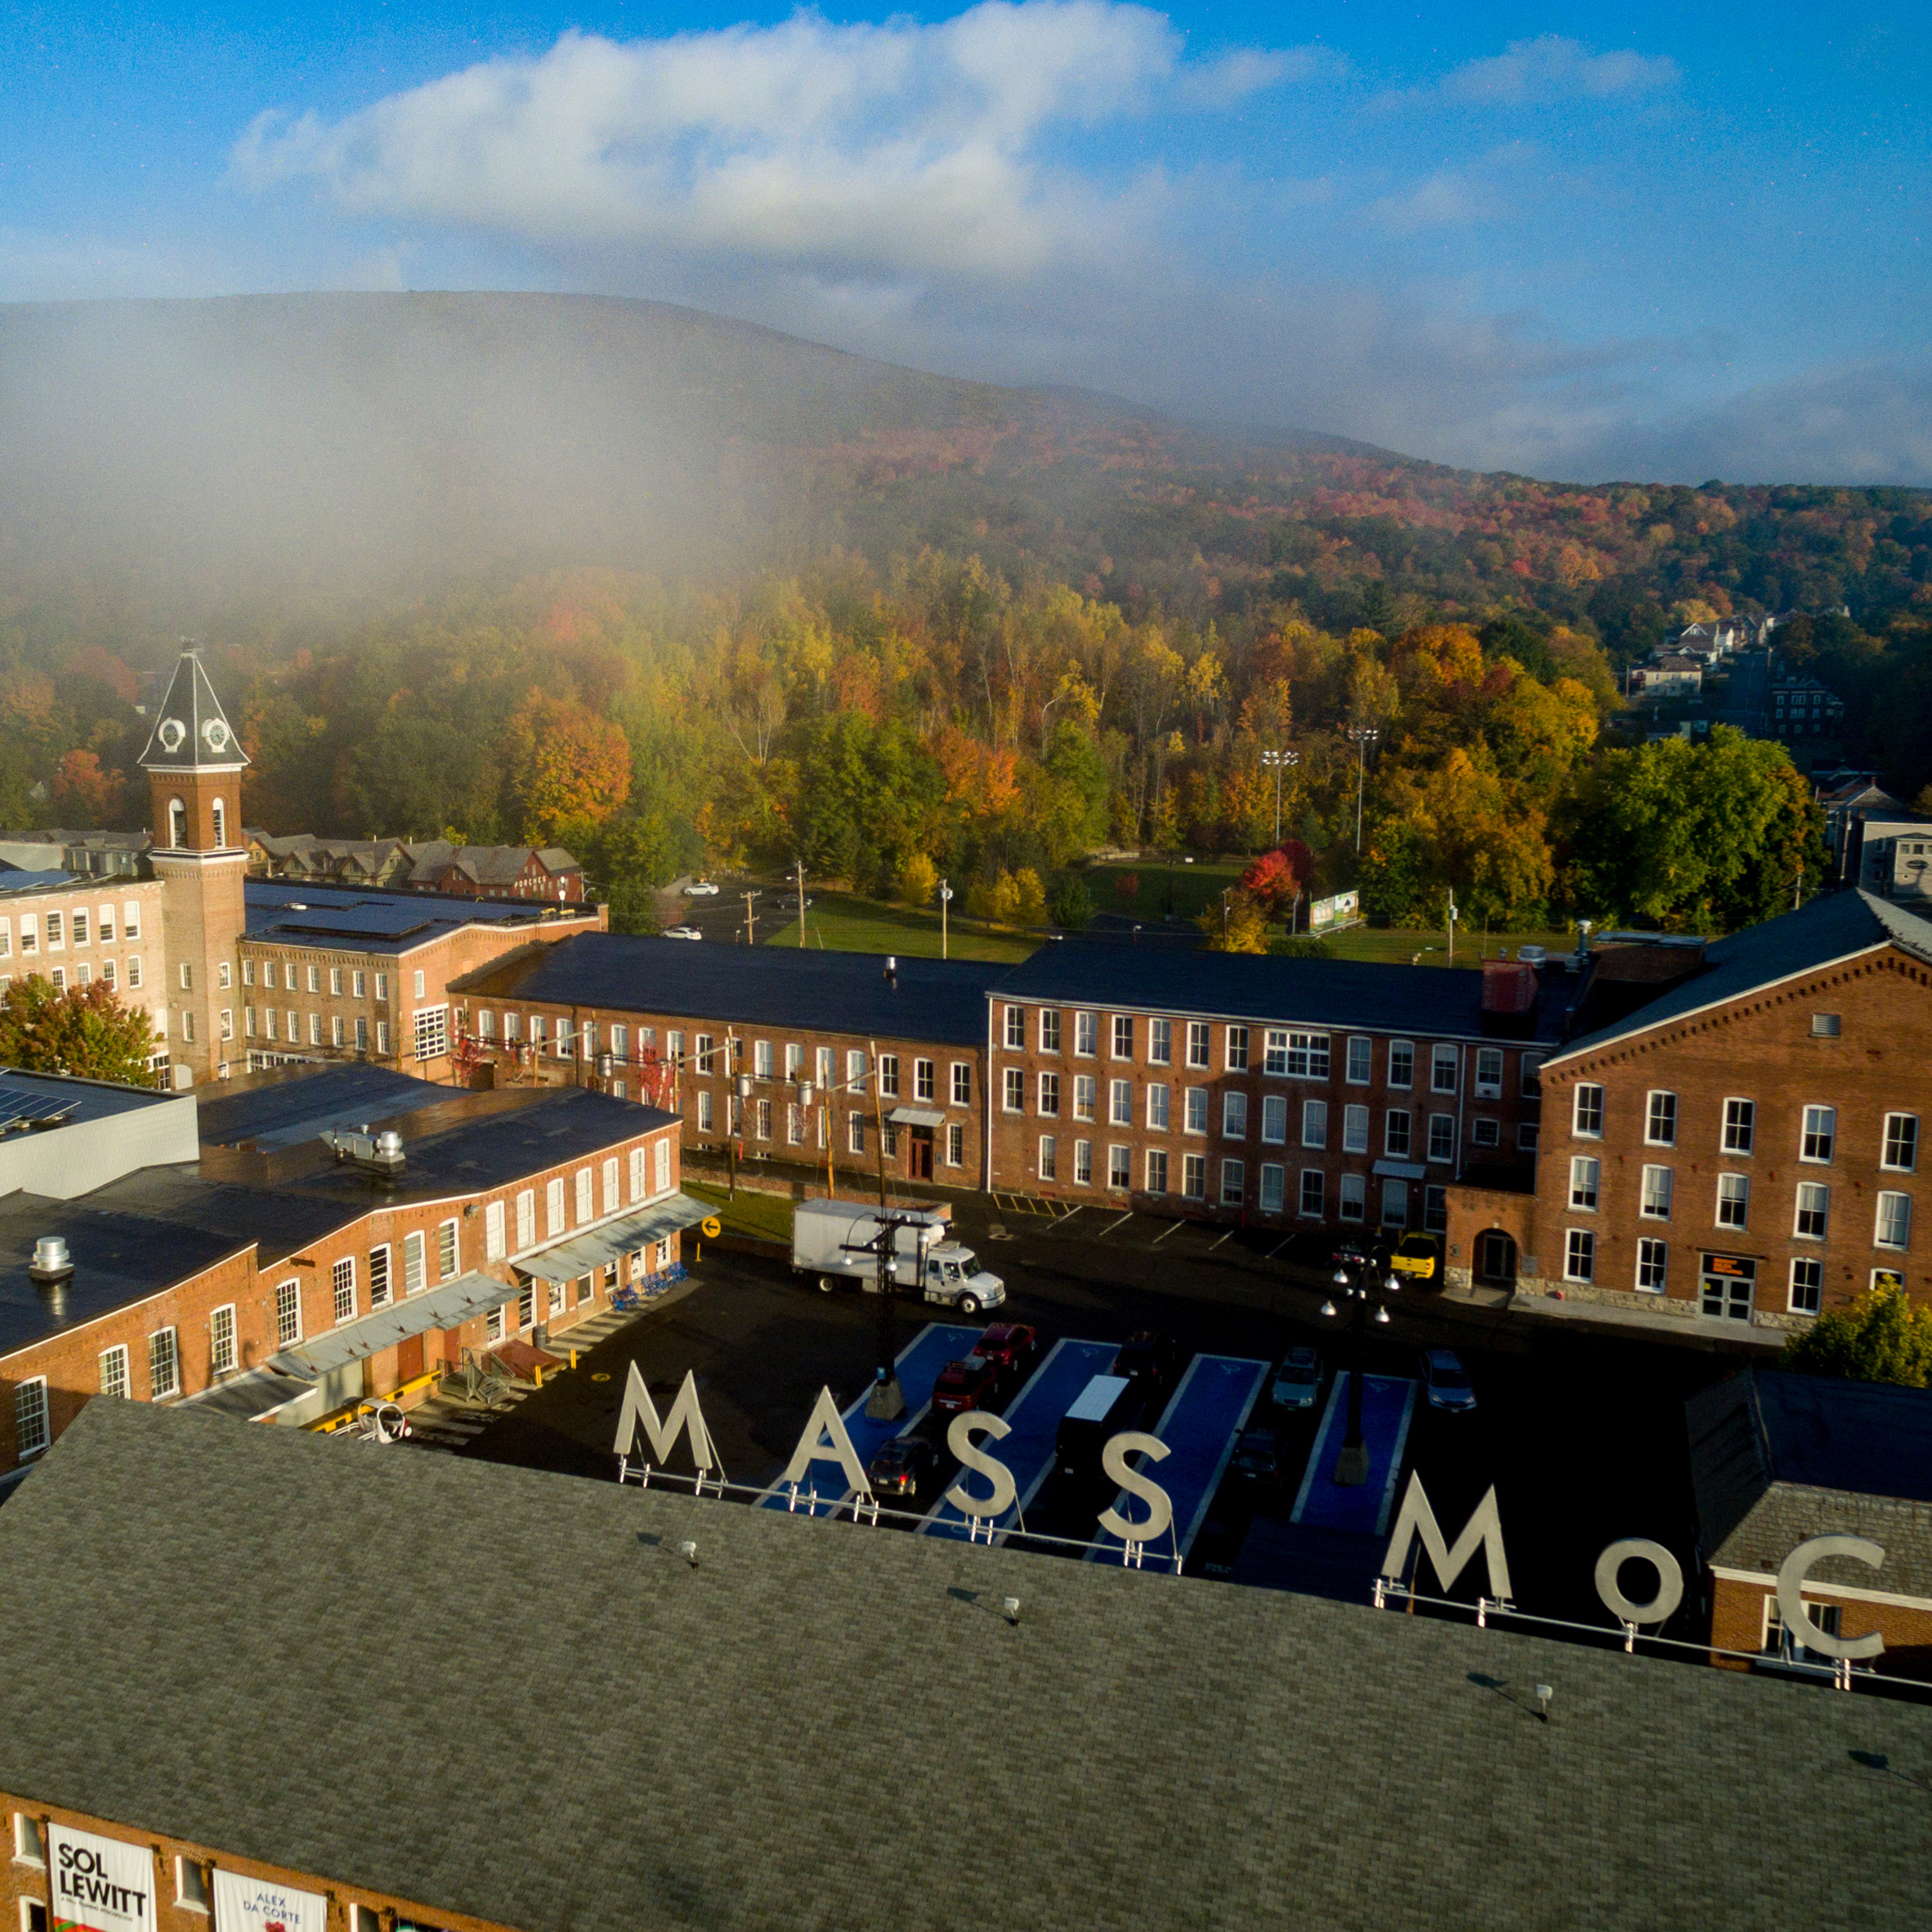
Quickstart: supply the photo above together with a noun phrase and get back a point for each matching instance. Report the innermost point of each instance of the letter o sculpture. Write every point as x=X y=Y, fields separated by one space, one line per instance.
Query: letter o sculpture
x=1669 y=1581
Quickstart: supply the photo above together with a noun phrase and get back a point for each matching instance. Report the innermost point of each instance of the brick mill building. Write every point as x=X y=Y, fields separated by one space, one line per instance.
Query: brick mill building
x=294 y=1683
x=769 y=1047
x=1741 y=1146
x=229 y=1255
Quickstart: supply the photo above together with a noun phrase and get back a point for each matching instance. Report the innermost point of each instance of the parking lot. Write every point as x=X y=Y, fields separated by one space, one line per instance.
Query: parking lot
x=1582 y=1436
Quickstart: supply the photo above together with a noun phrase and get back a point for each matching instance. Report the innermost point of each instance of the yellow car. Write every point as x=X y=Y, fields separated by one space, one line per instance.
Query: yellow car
x=1418 y=1256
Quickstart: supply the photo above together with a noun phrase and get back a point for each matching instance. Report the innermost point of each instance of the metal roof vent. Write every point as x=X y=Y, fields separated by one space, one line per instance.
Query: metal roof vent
x=380 y=1154
x=51 y=1265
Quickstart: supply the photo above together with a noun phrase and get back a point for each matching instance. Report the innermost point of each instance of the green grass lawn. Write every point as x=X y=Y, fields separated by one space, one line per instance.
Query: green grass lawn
x=764 y=1217
x=841 y=923
x=1391 y=943
x=1195 y=886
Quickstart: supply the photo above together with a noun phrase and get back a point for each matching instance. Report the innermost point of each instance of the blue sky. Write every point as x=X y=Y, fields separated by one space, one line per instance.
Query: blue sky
x=1580 y=242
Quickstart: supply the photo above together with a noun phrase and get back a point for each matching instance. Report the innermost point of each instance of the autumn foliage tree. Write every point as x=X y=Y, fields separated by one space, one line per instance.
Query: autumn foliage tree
x=83 y=1030
x=84 y=794
x=567 y=769
x=1237 y=925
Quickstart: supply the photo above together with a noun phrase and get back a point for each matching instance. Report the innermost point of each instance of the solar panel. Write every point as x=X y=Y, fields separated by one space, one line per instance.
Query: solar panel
x=31 y=1109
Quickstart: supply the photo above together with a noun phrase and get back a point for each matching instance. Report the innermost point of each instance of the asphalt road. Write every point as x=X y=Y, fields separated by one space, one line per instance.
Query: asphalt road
x=1582 y=1436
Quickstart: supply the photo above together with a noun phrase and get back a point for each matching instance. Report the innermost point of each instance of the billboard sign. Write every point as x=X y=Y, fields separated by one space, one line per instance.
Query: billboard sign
x=261 y=1905
x=100 y=1885
x=1325 y=915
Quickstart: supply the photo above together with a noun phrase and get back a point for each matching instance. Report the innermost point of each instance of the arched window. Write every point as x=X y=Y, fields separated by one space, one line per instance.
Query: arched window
x=221 y=825
x=177 y=823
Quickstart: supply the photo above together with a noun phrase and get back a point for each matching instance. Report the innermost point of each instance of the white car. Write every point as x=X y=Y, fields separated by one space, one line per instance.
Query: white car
x=684 y=932
x=700 y=888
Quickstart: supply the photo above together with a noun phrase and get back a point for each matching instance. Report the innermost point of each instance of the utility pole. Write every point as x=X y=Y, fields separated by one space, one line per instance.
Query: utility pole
x=1451 y=922
x=801 y=903
x=946 y=895
x=1276 y=762
x=1361 y=736
x=751 y=931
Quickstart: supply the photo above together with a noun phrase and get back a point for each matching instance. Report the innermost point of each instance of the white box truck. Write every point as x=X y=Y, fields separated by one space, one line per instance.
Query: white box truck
x=828 y=1238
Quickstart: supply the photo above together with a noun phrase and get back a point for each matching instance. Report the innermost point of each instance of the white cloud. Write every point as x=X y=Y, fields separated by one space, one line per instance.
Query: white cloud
x=1535 y=73
x=847 y=152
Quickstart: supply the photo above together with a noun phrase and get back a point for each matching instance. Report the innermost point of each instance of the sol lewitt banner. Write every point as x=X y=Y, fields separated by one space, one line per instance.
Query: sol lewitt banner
x=100 y=1885
x=261 y=1905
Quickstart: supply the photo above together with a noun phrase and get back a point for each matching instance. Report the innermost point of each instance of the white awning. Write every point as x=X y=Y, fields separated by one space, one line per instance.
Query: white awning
x=1400 y=1170
x=915 y=1116
x=441 y=1307
x=567 y=1260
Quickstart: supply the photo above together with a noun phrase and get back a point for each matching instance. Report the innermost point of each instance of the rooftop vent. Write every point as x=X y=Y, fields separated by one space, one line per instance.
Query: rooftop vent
x=51 y=1265
x=378 y=1154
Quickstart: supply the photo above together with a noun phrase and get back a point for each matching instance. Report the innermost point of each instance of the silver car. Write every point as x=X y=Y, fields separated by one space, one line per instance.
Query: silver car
x=1445 y=1381
x=1298 y=1381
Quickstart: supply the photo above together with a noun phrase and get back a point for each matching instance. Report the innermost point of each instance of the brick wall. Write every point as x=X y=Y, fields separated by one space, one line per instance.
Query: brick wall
x=1270 y=1132
x=138 y=965
x=1761 y=1050
x=1737 y=1615
x=21 y=1881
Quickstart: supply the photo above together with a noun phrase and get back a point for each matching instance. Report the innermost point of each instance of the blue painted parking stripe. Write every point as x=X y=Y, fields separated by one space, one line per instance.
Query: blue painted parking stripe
x=1035 y=1413
x=1388 y=1403
x=1200 y=1425
x=918 y=1364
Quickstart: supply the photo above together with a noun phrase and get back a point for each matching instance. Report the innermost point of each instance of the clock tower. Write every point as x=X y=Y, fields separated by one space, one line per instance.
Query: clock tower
x=194 y=764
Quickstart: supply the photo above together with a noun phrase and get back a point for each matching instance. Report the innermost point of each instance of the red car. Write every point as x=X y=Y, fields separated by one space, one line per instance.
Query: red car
x=964 y=1385
x=1008 y=1345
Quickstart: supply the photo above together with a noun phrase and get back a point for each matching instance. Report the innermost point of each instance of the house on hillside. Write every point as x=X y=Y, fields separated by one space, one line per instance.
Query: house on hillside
x=495 y=871
x=1798 y=706
x=1669 y=674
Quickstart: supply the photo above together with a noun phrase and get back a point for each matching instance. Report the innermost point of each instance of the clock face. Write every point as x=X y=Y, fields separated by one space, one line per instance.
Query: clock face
x=215 y=735
x=171 y=734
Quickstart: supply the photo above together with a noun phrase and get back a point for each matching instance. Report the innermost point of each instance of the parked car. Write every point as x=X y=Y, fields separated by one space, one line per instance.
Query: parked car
x=1352 y=1251
x=1445 y=1381
x=682 y=932
x=1298 y=1380
x=1009 y=1346
x=1418 y=1256
x=901 y=1466
x=967 y=1385
x=1254 y=1459
x=700 y=888
x=1149 y=1359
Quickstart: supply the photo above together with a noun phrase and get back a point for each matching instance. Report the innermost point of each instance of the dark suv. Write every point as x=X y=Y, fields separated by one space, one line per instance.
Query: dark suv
x=967 y=1385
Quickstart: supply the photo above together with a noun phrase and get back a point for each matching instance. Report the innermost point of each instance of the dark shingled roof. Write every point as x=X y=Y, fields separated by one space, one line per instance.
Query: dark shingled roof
x=786 y=988
x=1777 y=1459
x=191 y=729
x=296 y=912
x=1390 y=998
x=1835 y=926
x=832 y=1725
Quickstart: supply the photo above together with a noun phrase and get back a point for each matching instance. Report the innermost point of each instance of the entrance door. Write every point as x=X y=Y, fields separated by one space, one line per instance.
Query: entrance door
x=1728 y=1283
x=918 y=1155
x=409 y=1358
x=1495 y=1258
x=1395 y=1204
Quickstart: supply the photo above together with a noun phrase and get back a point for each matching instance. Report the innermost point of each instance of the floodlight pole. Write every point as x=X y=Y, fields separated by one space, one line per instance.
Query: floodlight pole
x=1356 y=1282
x=1362 y=736
x=1276 y=762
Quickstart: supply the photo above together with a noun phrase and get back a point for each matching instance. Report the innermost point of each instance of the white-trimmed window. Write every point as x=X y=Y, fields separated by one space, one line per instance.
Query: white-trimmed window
x=1197 y=1043
x=761 y=1059
x=29 y=1847
x=1194 y=1110
x=1353 y=1197
x=1402 y=1063
x=1301 y=1056
x=1443 y=1070
x=1013 y=1087
x=1314 y=1123
x=1119 y=1103
x=925 y=1080
x=495 y=1244
x=380 y=1285
x=1157 y=1107
x=661 y=1157
x=221 y=1339
x=1901 y=1152
x=1740 y=1118
x=1083 y=1163
x=1734 y=1200
x=526 y=1218
x=1016 y=1029
x=1361 y=1055
x=855 y=1132
x=1892 y=1229
x=962 y=1083
x=493 y=1326
x=706 y=1113
x=1586 y=1175
x=553 y=1205
x=1086 y=1035
x=1580 y=1254
x=341 y=1284
x=288 y=1313
x=1587 y=1118
x=1123 y=1036
x=1486 y=1132
x=1274 y=1178
x=1355 y=1129
x=612 y=1202
x=1086 y=1094
x=1119 y=1167
x=1050 y=1157
x=190 y=1885
x=1274 y=1119
x=637 y=1182
x=955 y=1144
x=1234 y=1183
x=1653 y=1259
x=1808 y=1223
x=1194 y=1177
x=1808 y=1286
x=1156 y=1170
x=1236 y=1057
x=1819 y=1135
x=888 y=1075
x=1396 y=1133
x=113 y=1371
x=1660 y=1119
x=448 y=1251
x=1489 y=1073
x=30 y=1427
x=1049 y=1029
x=1047 y=1096
x=415 y=1262
x=586 y=1197
x=1234 y=1115
x=1314 y=1189
x=1654 y=1203
x=1160 y=1043
x=164 y=1364
x=1441 y=1138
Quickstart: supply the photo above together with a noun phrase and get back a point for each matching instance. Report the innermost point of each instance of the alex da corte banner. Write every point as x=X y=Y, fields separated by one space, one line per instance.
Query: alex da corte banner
x=100 y=1885
x=260 y=1905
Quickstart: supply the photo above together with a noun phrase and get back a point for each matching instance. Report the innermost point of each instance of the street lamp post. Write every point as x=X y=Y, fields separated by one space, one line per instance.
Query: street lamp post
x=1356 y=1278
x=945 y=899
x=741 y=1088
x=1276 y=762
x=1361 y=736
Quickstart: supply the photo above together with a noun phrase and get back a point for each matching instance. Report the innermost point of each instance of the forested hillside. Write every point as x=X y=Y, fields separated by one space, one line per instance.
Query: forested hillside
x=681 y=591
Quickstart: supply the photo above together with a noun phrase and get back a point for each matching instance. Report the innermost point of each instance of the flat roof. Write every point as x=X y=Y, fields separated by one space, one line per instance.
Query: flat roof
x=293 y=912
x=788 y=988
x=826 y=1724
x=36 y=1096
x=287 y=1105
